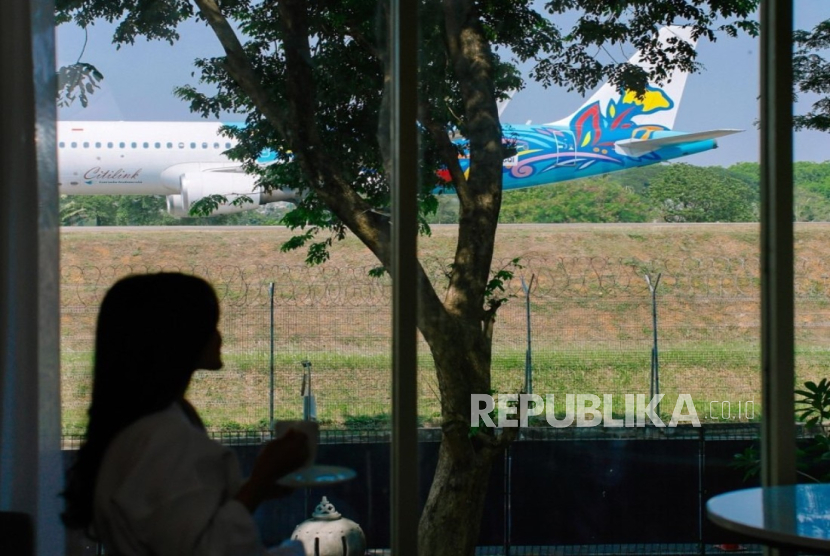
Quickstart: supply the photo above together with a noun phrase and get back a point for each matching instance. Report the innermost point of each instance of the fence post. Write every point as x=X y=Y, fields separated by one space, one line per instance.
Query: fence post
x=309 y=404
x=528 y=353
x=655 y=363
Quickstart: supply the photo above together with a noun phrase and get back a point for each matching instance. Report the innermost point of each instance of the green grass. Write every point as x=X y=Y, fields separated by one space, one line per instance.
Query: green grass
x=353 y=389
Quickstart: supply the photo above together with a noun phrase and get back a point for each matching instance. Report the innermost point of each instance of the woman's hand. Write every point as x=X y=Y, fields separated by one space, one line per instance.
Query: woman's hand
x=283 y=455
x=278 y=458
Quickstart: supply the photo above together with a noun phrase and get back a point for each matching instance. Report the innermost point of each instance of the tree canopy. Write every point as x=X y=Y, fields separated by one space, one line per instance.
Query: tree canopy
x=811 y=74
x=685 y=193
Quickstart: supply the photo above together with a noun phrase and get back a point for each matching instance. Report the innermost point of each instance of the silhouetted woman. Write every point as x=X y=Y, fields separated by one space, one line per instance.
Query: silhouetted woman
x=148 y=480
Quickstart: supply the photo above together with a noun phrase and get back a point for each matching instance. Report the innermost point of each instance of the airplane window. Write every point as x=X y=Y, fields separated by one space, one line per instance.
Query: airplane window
x=204 y=145
x=134 y=144
x=61 y=144
x=216 y=145
x=227 y=145
x=158 y=145
x=74 y=145
x=109 y=145
x=97 y=145
x=121 y=145
x=86 y=144
x=146 y=145
x=193 y=145
x=181 y=145
x=169 y=145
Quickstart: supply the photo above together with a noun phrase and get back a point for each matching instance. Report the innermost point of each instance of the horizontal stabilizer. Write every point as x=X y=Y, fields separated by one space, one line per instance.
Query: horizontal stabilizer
x=639 y=147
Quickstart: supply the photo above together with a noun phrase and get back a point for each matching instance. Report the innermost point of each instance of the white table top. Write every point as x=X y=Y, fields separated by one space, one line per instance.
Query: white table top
x=797 y=515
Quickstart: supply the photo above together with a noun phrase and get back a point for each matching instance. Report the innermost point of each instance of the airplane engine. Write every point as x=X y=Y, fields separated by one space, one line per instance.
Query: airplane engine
x=196 y=186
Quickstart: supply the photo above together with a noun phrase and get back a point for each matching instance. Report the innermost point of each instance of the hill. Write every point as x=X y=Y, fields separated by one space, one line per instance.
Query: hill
x=591 y=313
x=251 y=245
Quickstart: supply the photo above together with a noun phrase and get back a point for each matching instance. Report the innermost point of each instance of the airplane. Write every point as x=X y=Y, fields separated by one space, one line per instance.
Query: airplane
x=185 y=161
x=611 y=131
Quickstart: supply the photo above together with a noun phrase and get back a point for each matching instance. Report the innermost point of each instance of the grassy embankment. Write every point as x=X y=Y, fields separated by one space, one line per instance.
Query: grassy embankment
x=591 y=315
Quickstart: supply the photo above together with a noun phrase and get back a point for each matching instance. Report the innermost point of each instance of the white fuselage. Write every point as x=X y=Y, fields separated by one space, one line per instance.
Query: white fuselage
x=137 y=158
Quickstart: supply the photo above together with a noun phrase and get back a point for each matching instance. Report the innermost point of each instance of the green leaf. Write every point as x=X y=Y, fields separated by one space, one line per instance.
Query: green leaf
x=207 y=205
x=377 y=272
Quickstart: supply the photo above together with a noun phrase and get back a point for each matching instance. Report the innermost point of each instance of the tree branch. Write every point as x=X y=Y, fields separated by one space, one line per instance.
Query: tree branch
x=447 y=150
x=238 y=65
x=299 y=128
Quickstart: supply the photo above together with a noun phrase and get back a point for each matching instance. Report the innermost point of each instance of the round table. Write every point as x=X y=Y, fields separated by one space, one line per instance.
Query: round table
x=796 y=516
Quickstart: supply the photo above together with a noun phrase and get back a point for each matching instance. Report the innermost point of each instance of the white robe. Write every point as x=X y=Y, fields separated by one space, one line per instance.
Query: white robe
x=165 y=488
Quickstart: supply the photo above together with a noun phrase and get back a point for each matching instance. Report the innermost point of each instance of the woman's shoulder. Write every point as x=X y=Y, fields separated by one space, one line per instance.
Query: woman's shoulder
x=161 y=452
x=168 y=431
x=171 y=418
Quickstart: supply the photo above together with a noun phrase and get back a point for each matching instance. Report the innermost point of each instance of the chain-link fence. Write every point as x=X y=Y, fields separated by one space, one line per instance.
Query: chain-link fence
x=592 y=332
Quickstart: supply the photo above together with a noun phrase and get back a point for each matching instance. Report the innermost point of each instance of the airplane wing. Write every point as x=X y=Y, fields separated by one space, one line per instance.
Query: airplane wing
x=639 y=147
x=227 y=170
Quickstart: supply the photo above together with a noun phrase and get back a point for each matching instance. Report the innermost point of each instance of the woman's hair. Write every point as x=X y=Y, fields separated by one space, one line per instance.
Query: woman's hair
x=152 y=330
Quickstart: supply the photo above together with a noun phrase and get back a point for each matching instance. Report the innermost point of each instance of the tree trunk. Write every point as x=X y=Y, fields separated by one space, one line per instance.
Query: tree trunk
x=451 y=519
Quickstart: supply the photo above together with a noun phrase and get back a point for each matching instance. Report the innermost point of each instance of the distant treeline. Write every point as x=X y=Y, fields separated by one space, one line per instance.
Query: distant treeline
x=661 y=193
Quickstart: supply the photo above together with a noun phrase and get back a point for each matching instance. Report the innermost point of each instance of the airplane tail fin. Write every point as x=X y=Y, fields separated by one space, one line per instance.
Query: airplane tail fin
x=668 y=101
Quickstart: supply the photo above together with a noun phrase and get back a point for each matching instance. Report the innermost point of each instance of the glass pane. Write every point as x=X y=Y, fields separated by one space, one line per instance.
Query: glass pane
x=617 y=293
x=790 y=454
x=810 y=163
x=300 y=341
